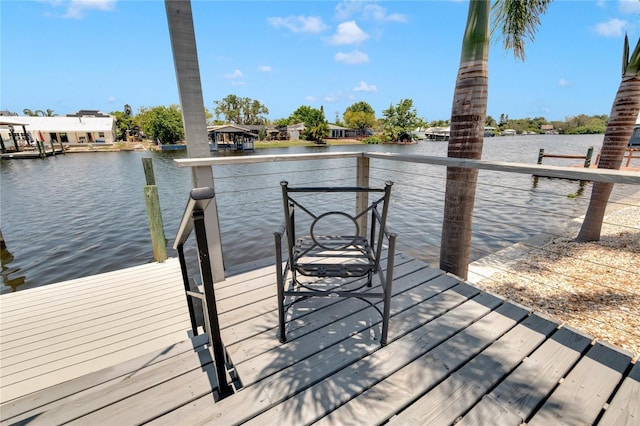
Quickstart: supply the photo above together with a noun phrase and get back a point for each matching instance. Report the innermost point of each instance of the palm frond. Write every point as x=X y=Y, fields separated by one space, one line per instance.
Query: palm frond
x=514 y=21
x=633 y=65
x=625 y=54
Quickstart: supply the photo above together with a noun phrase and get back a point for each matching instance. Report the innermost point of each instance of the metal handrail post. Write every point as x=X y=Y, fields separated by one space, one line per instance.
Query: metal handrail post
x=280 y=285
x=388 y=289
x=219 y=357
x=185 y=281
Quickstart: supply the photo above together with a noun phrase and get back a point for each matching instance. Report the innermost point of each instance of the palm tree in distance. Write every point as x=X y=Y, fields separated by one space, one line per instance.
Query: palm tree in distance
x=620 y=126
x=38 y=113
x=516 y=20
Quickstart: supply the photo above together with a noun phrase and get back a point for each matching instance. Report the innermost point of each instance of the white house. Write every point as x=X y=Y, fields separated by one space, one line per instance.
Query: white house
x=71 y=129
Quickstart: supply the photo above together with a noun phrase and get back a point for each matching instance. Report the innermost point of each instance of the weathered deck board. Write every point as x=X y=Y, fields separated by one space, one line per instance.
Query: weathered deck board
x=454 y=353
x=463 y=389
x=72 y=390
x=88 y=324
x=624 y=410
x=583 y=393
x=536 y=377
x=269 y=364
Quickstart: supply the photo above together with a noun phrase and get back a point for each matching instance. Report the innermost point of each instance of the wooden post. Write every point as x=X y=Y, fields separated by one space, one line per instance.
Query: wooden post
x=185 y=59
x=540 y=155
x=53 y=148
x=587 y=159
x=629 y=153
x=362 y=198
x=147 y=164
x=41 y=150
x=4 y=149
x=154 y=214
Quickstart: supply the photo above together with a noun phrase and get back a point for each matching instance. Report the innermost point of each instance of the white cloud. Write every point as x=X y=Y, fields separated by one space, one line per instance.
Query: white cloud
x=235 y=74
x=366 y=10
x=378 y=13
x=78 y=8
x=299 y=24
x=564 y=83
x=346 y=9
x=355 y=57
x=265 y=68
x=331 y=98
x=629 y=7
x=612 y=28
x=238 y=83
x=111 y=99
x=310 y=98
x=349 y=33
x=364 y=87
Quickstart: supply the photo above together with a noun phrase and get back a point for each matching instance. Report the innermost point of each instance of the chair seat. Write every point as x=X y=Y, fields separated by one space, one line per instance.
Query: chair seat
x=333 y=256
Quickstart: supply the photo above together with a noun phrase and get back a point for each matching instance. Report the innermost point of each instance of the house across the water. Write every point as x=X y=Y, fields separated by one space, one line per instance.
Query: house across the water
x=83 y=127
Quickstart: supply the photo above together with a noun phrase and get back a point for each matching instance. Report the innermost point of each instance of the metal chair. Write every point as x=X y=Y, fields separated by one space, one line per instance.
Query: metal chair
x=334 y=257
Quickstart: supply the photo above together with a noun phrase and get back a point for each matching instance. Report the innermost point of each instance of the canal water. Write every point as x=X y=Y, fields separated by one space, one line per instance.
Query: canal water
x=84 y=213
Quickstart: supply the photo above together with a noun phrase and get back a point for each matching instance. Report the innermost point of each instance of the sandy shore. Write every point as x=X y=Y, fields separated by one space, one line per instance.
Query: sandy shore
x=594 y=287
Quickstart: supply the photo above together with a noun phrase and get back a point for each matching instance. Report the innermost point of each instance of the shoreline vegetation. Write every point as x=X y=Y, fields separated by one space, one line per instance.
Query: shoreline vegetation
x=150 y=146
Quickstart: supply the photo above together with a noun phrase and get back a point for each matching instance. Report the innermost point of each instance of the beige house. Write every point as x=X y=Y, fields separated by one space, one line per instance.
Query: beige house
x=82 y=127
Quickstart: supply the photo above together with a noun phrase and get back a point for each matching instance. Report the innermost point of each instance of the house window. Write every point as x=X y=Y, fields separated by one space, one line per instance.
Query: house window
x=101 y=134
x=64 y=138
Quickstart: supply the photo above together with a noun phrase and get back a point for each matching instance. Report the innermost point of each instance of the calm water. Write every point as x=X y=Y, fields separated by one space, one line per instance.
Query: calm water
x=82 y=214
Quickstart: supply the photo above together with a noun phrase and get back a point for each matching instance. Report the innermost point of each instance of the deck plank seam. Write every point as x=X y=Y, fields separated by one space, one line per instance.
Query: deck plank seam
x=179 y=318
x=564 y=376
x=74 y=386
x=84 y=322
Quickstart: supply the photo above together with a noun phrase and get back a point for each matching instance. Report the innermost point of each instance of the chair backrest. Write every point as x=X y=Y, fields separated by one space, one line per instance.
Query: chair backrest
x=333 y=223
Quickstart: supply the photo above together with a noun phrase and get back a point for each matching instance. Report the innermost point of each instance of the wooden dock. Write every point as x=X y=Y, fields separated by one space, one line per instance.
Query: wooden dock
x=30 y=154
x=115 y=349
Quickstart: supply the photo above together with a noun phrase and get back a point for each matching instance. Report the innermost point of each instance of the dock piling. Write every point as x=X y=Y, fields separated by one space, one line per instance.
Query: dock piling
x=154 y=214
x=587 y=157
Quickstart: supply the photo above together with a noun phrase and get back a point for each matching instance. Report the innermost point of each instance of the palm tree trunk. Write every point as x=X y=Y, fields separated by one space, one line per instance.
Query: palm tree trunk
x=468 y=114
x=619 y=129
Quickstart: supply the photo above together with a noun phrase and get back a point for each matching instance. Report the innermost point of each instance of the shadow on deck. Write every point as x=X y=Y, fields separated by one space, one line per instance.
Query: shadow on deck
x=455 y=354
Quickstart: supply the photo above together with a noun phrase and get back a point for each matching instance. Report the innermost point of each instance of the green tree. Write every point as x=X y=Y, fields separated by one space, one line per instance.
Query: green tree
x=399 y=120
x=616 y=138
x=359 y=116
x=516 y=21
x=240 y=111
x=281 y=122
x=124 y=122
x=162 y=124
x=316 y=127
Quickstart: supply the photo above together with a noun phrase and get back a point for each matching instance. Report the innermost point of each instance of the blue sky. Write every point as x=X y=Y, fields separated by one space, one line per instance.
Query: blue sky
x=103 y=54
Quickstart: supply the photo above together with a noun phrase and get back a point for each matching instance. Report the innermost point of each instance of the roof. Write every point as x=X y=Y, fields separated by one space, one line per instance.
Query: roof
x=11 y=121
x=66 y=124
x=227 y=128
x=336 y=127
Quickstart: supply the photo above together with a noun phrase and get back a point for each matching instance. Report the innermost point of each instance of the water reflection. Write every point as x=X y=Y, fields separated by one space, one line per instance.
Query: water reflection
x=5 y=259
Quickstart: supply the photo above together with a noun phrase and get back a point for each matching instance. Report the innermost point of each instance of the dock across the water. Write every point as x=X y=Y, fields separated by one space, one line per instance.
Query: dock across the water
x=116 y=348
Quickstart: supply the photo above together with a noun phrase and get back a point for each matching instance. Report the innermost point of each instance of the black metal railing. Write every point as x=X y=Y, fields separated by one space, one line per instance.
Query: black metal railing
x=193 y=219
